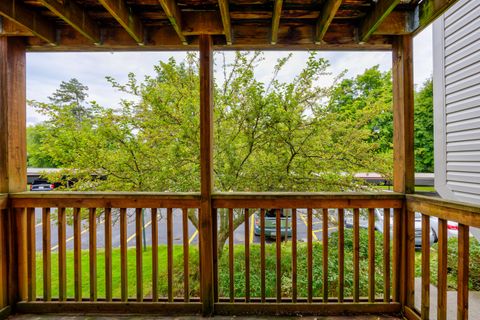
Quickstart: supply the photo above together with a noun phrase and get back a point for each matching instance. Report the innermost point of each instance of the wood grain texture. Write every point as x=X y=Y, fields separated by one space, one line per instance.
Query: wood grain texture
x=31 y=254
x=170 y=254
x=247 y=254
x=124 y=15
x=62 y=254
x=227 y=26
x=309 y=253
x=463 y=271
x=139 y=252
x=123 y=255
x=371 y=255
x=173 y=13
x=277 y=12
x=403 y=101
x=92 y=252
x=375 y=17
x=278 y=252
x=356 y=254
x=294 y=257
x=442 y=270
x=425 y=308
x=77 y=253
x=386 y=254
x=328 y=12
x=410 y=260
x=108 y=254
x=154 y=216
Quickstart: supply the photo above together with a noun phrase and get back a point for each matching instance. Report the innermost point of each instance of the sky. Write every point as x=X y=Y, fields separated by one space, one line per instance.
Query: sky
x=45 y=71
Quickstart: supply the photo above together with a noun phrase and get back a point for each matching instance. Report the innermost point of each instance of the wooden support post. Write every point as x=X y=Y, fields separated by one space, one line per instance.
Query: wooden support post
x=403 y=162
x=13 y=162
x=206 y=173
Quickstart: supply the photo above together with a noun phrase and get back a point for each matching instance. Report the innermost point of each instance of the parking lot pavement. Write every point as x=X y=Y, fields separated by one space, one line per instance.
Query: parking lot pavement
x=239 y=234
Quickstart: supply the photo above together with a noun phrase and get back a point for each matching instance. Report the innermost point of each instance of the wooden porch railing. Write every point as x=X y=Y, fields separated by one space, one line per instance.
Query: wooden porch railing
x=433 y=209
x=4 y=303
x=63 y=290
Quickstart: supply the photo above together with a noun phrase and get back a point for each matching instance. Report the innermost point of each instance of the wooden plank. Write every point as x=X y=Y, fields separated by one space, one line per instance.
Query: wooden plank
x=277 y=12
x=34 y=22
x=139 y=252
x=46 y=245
x=77 y=253
x=386 y=256
x=247 y=255
x=356 y=254
x=170 y=254
x=410 y=260
x=371 y=255
x=62 y=254
x=341 y=258
x=186 y=273
x=411 y=313
x=375 y=18
x=427 y=11
x=196 y=23
x=216 y=252
x=442 y=270
x=92 y=252
x=123 y=255
x=206 y=173
x=274 y=202
x=174 y=15
x=262 y=255
x=403 y=100
x=425 y=308
x=294 y=257
x=124 y=15
x=108 y=254
x=154 y=217
x=76 y=16
x=109 y=308
x=309 y=254
x=278 y=251
x=396 y=254
x=231 y=265
x=464 y=214
x=31 y=254
x=225 y=13
x=314 y=309
x=463 y=271
x=328 y=12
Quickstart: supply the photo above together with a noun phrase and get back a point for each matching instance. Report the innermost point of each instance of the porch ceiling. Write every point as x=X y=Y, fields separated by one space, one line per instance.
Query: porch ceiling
x=93 y=25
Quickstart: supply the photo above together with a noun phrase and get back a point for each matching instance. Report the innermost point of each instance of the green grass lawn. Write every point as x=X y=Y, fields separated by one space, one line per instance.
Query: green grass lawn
x=223 y=277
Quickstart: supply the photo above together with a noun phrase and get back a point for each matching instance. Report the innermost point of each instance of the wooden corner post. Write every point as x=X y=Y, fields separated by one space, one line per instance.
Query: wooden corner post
x=206 y=174
x=403 y=164
x=13 y=163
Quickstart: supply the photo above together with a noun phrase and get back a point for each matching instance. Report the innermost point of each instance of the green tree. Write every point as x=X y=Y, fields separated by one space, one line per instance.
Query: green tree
x=424 y=156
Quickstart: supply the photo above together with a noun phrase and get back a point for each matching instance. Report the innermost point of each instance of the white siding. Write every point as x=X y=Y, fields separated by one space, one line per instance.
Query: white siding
x=456 y=66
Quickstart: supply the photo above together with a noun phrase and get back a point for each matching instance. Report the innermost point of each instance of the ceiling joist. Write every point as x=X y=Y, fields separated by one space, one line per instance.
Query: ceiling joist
x=174 y=15
x=126 y=18
x=75 y=16
x=327 y=14
x=227 y=26
x=427 y=11
x=32 y=21
x=375 y=17
x=277 y=12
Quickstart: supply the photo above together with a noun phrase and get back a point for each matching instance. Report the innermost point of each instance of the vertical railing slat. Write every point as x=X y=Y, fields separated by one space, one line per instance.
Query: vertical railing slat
x=262 y=254
x=93 y=253
x=154 y=217
x=139 y=252
x=108 y=254
x=186 y=293
x=425 y=308
x=62 y=255
x=230 y=254
x=356 y=255
x=341 y=260
x=410 y=260
x=386 y=254
x=309 y=254
x=247 y=255
x=170 y=253
x=278 y=237
x=325 y=253
x=47 y=244
x=442 y=270
x=77 y=253
x=463 y=271
x=216 y=253
x=371 y=255
x=123 y=255
x=31 y=254
x=294 y=255
x=396 y=254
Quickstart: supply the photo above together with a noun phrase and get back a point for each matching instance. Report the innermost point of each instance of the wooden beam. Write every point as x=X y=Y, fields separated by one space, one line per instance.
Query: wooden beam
x=427 y=11
x=76 y=16
x=9 y=28
x=206 y=174
x=174 y=15
x=277 y=12
x=32 y=21
x=195 y=23
x=403 y=135
x=125 y=17
x=375 y=17
x=227 y=26
x=327 y=13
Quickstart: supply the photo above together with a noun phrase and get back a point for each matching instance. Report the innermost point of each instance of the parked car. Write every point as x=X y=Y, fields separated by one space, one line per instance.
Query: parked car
x=271 y=223
x=379 y=216
x=41 y=185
